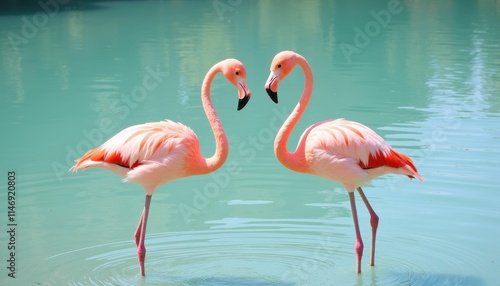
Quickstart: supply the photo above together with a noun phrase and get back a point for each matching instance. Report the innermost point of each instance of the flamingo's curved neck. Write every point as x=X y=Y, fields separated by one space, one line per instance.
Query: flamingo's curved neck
x=221 y=144
x=296 y=159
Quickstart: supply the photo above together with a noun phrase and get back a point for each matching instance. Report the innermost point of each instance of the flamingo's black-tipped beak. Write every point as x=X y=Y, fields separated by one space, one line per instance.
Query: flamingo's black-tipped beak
x=244 y=93
x=272 y=94
x=243 y=101
x=271 y=85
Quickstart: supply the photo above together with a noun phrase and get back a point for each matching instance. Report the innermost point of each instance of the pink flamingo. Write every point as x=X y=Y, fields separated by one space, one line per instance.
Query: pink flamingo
x=156 y=153
x=339 y=150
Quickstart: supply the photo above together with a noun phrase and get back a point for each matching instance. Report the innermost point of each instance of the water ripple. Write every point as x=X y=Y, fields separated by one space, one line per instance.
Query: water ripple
x=232 y=252
x=425 y=260
x=247 y=251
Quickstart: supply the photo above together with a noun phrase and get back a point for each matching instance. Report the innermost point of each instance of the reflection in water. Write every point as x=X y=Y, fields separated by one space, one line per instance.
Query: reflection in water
x=428 y=82
x=75 y=29
x=182 y=94
x=266 y=252
x=12 y=67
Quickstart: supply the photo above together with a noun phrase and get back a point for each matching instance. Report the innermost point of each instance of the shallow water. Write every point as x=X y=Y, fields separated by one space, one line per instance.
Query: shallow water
x=424 y=76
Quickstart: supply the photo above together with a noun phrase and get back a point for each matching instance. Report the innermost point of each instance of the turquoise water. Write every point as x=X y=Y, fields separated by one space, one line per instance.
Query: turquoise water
x=425 y=76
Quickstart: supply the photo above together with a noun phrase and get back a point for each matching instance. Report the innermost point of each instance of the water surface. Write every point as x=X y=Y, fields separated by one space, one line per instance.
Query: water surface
x=425 y=76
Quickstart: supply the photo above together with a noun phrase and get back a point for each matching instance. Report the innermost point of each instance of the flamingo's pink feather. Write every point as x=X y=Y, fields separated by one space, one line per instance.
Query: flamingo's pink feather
x=145 y=142
x=341 y=149
x=148 y=154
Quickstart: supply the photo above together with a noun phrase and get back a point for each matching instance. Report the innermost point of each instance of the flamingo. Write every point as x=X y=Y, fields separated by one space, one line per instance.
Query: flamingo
x=153 y=154
x=338 y=150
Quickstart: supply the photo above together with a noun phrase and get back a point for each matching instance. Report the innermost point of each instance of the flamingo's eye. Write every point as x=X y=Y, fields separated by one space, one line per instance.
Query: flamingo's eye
x=279 y=66
x=237 y=73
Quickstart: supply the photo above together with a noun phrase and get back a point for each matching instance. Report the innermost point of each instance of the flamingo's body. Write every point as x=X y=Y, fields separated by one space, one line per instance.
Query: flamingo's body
x=339 y=150
x=156 y=153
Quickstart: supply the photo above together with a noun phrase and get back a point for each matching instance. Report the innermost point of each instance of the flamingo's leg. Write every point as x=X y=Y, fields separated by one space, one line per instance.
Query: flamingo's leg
x=141 y=249
x=137 y=233
x=373 y=222
x=358 y=247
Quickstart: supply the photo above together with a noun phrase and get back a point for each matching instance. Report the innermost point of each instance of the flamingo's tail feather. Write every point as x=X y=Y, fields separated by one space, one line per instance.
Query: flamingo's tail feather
x=89 y=159
x=408 y=166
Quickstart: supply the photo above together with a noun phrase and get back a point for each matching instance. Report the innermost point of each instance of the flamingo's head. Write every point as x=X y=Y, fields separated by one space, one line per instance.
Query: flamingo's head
x=282 y=64
x=236 y=74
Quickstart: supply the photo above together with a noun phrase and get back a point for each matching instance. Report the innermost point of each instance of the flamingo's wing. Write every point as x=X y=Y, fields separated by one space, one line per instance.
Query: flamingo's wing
x=354 y=140
x=141 y=143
